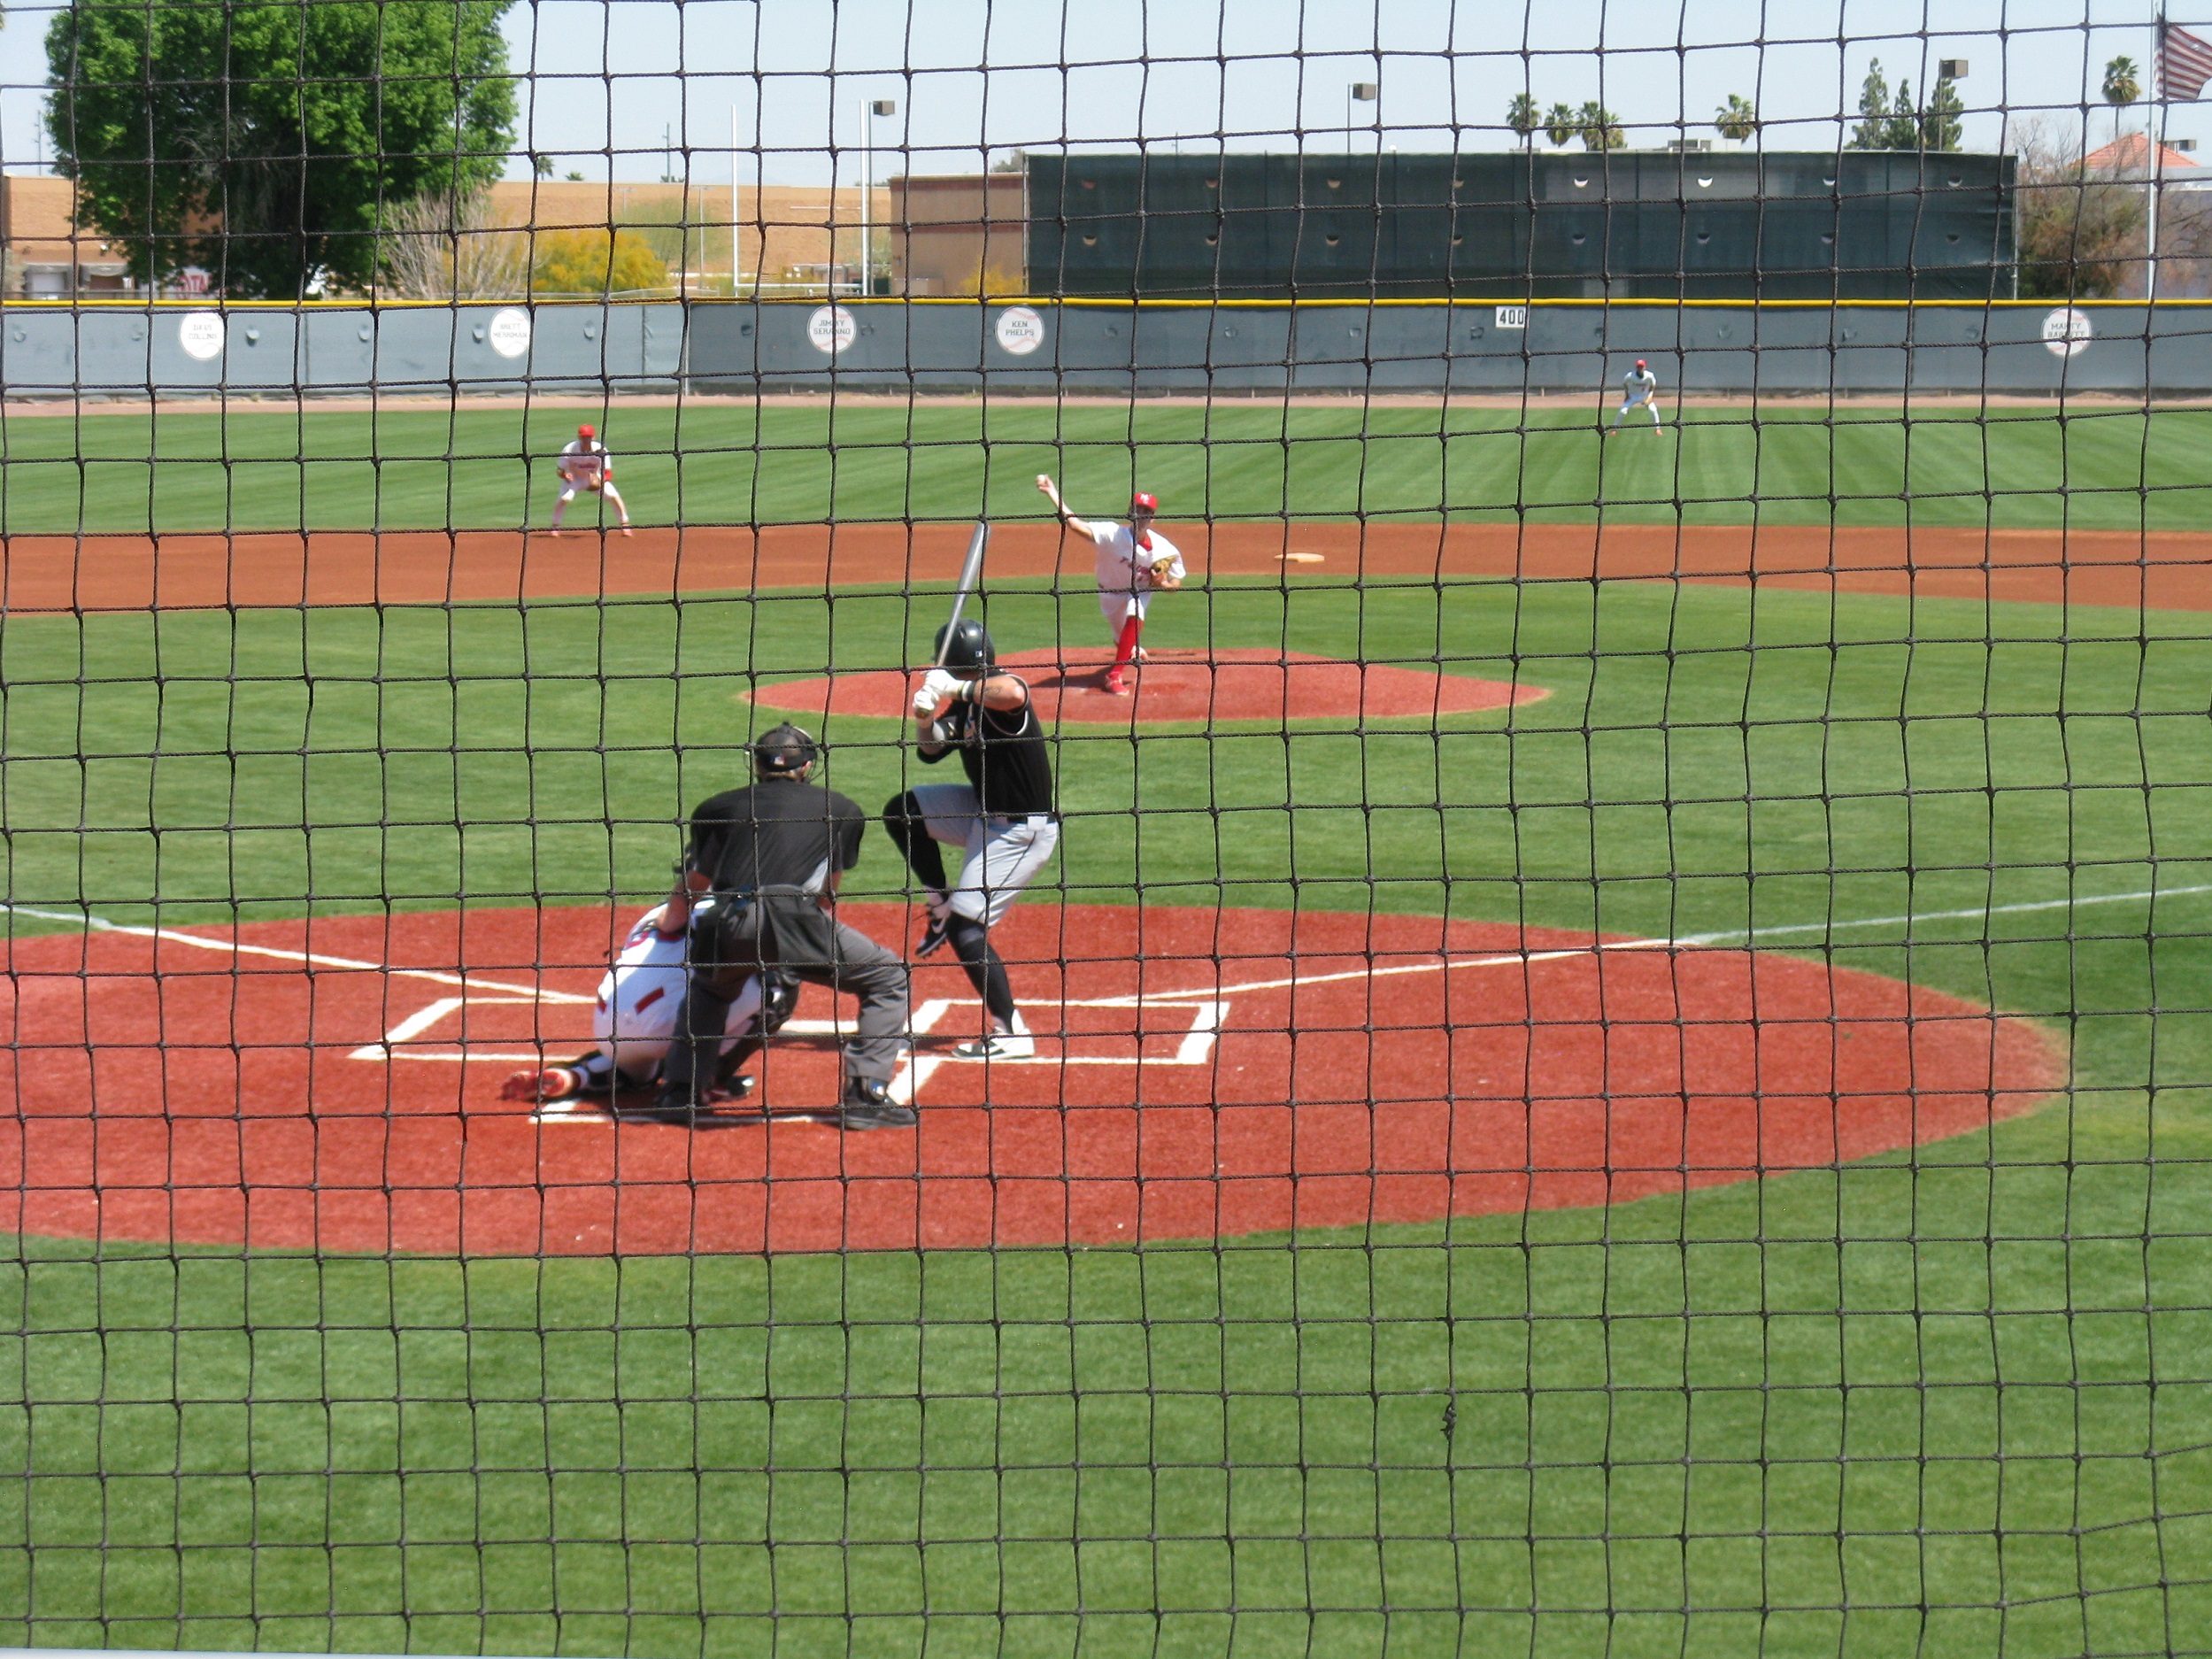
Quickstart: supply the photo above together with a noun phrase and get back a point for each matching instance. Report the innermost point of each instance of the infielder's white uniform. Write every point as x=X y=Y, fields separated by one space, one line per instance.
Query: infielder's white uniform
x=1639 y=387
x=1124 y=590
x=585 y=464
x=633 y=1018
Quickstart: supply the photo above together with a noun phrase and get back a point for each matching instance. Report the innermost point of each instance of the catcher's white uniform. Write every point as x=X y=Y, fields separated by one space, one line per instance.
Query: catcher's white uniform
x=1125 y=568
x=634 y=1017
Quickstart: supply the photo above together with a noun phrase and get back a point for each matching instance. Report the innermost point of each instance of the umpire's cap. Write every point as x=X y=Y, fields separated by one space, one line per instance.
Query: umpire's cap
x=786 y=750
x=963 y=645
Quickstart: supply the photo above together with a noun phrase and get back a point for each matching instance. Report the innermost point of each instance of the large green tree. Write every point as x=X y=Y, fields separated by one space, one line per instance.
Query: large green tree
x=268 y=141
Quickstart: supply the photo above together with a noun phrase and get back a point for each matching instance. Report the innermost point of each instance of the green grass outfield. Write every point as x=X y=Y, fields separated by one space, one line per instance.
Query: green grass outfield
x=1963 y=1393
x=809 y=462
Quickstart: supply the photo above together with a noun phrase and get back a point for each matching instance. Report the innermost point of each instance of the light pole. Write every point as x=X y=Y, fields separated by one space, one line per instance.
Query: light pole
x=1361 y=92
x=869 y=110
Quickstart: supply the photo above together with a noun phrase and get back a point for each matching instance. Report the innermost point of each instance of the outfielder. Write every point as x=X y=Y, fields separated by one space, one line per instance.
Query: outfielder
x=634 y=1014
x=1003 y=819
x=1639 y=388
x=1134 y=562
x=585 y=464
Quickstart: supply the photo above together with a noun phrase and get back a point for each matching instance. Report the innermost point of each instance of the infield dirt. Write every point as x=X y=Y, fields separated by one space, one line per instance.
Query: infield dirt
x=2161 y=570
x=1202 y=1073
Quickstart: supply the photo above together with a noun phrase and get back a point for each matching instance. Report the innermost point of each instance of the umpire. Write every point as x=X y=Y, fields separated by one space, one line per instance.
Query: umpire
x=768 y=858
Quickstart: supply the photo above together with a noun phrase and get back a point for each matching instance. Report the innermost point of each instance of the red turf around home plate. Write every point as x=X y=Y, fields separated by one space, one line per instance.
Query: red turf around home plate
x=1202 y=1073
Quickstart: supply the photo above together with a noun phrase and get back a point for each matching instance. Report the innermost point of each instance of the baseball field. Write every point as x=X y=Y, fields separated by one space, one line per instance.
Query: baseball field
x=1697 y=1147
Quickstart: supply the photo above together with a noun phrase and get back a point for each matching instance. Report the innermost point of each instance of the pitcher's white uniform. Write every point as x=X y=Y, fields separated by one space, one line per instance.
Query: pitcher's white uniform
x=1125 y=587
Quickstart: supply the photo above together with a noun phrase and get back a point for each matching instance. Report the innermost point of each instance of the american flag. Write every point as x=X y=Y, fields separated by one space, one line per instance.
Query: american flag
x=2185 y=63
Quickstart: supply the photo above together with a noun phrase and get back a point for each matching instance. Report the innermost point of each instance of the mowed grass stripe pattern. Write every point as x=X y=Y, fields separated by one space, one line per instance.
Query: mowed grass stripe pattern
x=812 y=461
x=1948 y=1403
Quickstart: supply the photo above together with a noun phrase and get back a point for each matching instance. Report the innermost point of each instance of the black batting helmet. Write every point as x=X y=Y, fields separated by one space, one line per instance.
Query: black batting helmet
x=963 y=645
x=786 y=750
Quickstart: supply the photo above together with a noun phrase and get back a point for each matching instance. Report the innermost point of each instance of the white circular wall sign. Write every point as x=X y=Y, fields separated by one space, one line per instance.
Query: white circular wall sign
x=831 y=328
x=201 y=335
x=2067 y=332
x=510 y=332
x=1021 y=330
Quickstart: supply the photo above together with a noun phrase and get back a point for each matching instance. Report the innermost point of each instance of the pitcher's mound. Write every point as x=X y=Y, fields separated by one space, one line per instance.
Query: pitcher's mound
x=1206 y=687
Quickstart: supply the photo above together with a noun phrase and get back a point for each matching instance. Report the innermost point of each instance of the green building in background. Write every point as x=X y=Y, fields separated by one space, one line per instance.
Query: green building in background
x=1622 y=224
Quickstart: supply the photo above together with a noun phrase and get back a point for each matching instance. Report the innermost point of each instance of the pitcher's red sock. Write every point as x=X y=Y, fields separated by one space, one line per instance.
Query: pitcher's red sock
x=1125 y=648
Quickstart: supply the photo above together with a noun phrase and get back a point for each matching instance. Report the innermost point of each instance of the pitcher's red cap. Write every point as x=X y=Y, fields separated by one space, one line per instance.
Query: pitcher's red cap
x=1150 y=503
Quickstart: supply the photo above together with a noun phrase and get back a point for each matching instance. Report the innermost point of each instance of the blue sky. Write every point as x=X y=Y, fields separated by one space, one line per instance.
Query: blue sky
x=976 y=78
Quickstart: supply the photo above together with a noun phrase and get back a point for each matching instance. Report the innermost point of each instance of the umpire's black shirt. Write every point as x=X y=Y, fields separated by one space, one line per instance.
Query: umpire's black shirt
x=779 y=833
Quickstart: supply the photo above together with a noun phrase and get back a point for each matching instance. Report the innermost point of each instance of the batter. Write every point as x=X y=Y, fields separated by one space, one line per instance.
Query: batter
x=1002 y=819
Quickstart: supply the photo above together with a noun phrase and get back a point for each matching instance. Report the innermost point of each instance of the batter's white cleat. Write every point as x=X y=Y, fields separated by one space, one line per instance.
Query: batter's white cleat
x=999 y=1046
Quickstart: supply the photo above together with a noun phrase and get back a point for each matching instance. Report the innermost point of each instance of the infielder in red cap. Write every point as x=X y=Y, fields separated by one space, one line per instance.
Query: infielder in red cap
x=1639 y=388
x=1135 y=561
x=585 y=465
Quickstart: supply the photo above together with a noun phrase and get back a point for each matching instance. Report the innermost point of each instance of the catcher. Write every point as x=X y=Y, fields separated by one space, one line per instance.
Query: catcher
x=634 y=1017
x=1135 y=561
x=585 y=464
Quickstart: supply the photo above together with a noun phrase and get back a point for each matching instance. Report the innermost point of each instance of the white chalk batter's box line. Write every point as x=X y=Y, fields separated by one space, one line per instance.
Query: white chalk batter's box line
x=1193 y=1047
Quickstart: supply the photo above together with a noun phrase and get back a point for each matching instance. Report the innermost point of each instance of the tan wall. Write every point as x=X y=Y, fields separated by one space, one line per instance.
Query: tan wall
x=778 y=229
x=962 y=235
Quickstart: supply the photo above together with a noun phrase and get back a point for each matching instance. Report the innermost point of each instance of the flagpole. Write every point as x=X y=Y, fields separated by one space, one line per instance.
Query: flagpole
x=2157 y=159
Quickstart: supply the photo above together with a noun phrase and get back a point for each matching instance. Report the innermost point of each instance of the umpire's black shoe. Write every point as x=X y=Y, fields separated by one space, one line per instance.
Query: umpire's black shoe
x=670 y=1106
x=868 y=1104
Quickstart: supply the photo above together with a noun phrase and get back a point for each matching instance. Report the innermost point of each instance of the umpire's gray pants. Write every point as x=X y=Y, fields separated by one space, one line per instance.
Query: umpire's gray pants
x=878 y=978
x=793 y=933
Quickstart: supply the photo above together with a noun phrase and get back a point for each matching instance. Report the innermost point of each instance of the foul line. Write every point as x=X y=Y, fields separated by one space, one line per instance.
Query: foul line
x=101 y=924
x=1690 y=941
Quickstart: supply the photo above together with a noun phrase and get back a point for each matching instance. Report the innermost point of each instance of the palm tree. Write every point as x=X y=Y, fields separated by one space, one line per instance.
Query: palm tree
x=1523 y=117
x=1737 y=119
x=2122 y=87
x=1600 y=127
x=1560 y=123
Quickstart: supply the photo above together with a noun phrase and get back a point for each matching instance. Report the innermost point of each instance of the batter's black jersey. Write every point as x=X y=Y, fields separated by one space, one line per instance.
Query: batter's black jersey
x=1005 y=756
x=776 y=834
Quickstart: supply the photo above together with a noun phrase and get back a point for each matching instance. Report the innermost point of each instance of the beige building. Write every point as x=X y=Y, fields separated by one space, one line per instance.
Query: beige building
x=785 y=238
x=962 y=235
x=47 y=254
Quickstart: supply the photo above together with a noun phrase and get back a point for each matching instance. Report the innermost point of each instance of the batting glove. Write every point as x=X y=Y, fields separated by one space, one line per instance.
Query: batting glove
x=926 y=703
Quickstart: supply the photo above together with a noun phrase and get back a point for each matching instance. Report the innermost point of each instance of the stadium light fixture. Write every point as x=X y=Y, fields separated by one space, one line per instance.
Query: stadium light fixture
x=1951 y=68
x=1362 y=92
x=870 y=108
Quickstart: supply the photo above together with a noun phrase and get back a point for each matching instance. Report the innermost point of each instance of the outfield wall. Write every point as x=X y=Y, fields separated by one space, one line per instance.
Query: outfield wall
x=935 y=346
